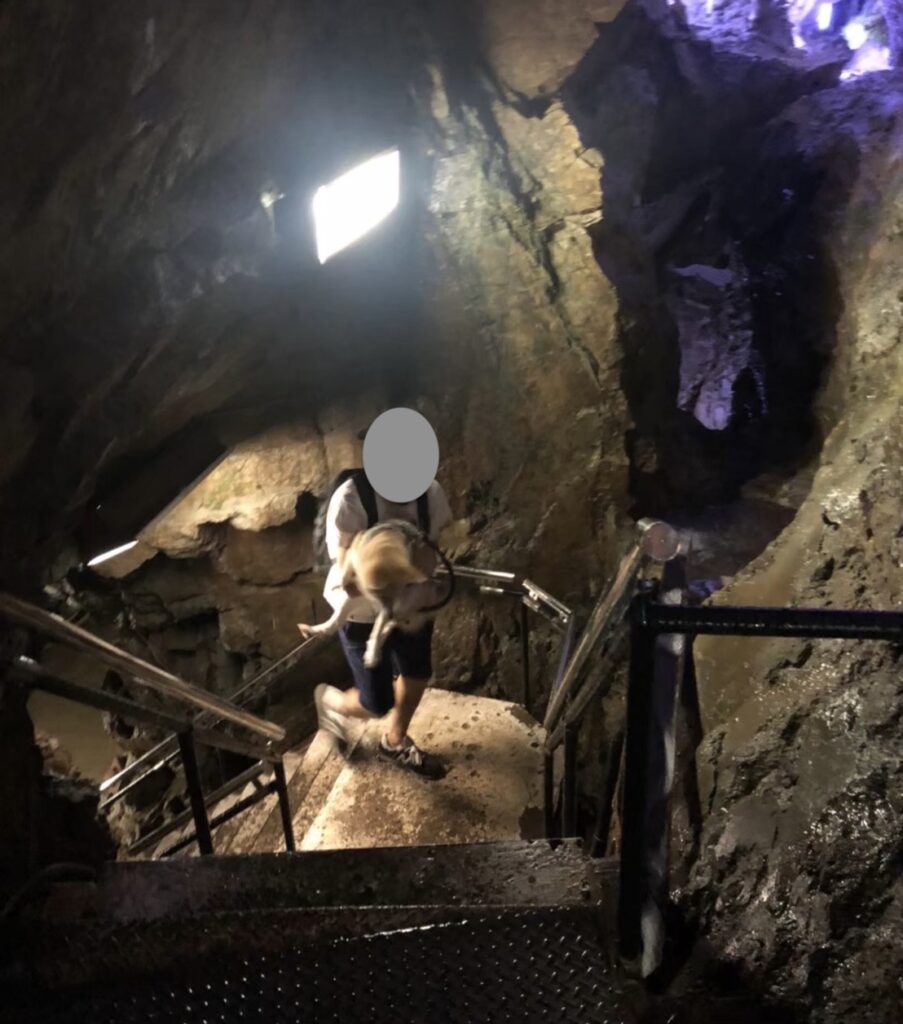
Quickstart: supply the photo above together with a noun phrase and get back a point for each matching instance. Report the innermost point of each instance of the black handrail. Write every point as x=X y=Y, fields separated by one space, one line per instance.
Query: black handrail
x=649 y=620
x=187 y=736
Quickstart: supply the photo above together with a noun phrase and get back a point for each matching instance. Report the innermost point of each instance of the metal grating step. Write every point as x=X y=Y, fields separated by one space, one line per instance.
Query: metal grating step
x=511 y=873
x=533 y=965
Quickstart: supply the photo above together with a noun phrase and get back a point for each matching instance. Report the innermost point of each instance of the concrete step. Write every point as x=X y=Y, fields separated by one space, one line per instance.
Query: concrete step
x=492 y=792
x=309 y=786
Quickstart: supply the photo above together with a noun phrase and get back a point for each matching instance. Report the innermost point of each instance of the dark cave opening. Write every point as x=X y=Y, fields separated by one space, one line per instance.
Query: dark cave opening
x=749 y=206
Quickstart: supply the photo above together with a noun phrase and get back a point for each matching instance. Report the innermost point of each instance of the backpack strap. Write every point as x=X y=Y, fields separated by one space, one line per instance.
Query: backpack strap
x=423 y=512
x=366 y=494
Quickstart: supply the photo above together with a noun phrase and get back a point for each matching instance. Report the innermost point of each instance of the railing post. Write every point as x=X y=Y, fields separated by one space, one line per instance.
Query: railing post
x=284 y=807
x=195 y=792
x=601 y=840
x=633 y=881
x=548 y=788
x=569 y=799
x=525 y=653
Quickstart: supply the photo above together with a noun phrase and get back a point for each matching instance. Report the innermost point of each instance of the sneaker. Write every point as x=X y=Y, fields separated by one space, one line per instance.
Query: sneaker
x=331 y=722
x=410 y=756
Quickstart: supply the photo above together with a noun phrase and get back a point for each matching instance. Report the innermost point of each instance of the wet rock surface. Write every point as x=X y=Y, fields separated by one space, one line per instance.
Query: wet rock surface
x=799 y=878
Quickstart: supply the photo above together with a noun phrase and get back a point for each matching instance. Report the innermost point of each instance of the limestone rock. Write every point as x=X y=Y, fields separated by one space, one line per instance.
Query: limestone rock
x=257 y=485
x=270 y=557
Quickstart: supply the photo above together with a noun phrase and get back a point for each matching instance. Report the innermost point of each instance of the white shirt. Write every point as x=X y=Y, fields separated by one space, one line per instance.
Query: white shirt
x=346 y=516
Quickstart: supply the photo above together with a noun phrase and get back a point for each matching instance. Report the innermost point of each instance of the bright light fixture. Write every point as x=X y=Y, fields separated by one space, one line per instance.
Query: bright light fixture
x=112 y=553
x=824 y=16
x=347 y=208
x=855 y=34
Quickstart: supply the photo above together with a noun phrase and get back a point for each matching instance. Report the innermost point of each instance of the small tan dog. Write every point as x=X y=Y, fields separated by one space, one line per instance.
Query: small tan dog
x=385 y=565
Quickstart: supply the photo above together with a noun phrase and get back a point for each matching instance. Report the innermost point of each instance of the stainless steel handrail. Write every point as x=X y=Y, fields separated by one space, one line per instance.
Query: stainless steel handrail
x=493 y=581
x=142 y=672
x=604 y=615
x=168 y=750
x=546 y=598
x=475 y=573
x=656 y=541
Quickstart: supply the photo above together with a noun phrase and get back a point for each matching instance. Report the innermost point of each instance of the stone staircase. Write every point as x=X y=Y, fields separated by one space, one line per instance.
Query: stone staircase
x=493 y=790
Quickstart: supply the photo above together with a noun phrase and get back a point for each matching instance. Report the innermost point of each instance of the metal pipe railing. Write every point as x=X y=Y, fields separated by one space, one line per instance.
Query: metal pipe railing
x=151 y=760
x=643 y=874
x=488 y=580
x=656 y=541
x=209 y=800
x=167 y=751
x=156 y=679
x=576 y=709
x=607 y=613
x=540 y=600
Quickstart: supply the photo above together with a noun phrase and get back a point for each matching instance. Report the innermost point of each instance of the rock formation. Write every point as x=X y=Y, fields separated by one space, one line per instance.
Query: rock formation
x=646 y=262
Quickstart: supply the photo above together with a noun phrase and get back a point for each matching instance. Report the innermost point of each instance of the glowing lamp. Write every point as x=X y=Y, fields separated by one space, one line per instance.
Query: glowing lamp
x=354 y=203
x=112 y=553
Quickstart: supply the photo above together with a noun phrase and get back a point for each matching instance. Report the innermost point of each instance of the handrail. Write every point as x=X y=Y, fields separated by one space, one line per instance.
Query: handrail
x=168 y=750
x=538 y=599
x=41 y=679
x=656 y=541
x=574 y=712
x=141 y=671
x=210 y=800
x=283 y=664
x=494 y=581
x=607 y=612
x=489 y=581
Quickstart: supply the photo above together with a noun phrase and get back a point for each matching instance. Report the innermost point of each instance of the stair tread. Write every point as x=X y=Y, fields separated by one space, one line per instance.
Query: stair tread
x=309 y=778
x=124 y=950
x=492 y=791
x=552 y=964
x=513 y=872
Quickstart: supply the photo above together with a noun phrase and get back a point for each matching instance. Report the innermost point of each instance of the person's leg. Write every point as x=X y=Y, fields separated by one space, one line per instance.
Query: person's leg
x=345 y=702
x=372 y=695
x=408 y=694
x=411 y=655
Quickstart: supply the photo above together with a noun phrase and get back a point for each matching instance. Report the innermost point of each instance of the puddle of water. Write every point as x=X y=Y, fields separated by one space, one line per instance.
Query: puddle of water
x=78 y=730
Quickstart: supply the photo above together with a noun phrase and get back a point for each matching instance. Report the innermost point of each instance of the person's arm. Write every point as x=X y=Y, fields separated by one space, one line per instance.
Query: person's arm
x=342 y=552
x=345 y=518
x=440 y=511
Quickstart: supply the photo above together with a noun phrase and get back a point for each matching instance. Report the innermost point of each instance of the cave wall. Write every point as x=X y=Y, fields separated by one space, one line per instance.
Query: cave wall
x=799 y=878
x=149 y=287
x=513 y=338
x=721 y=329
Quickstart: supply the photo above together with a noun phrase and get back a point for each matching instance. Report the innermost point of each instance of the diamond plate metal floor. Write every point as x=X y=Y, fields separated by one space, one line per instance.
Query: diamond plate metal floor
x=535 y=965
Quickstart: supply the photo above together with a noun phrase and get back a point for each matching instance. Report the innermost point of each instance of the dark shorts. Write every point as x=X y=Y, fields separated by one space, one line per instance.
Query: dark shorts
x=404 y=654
